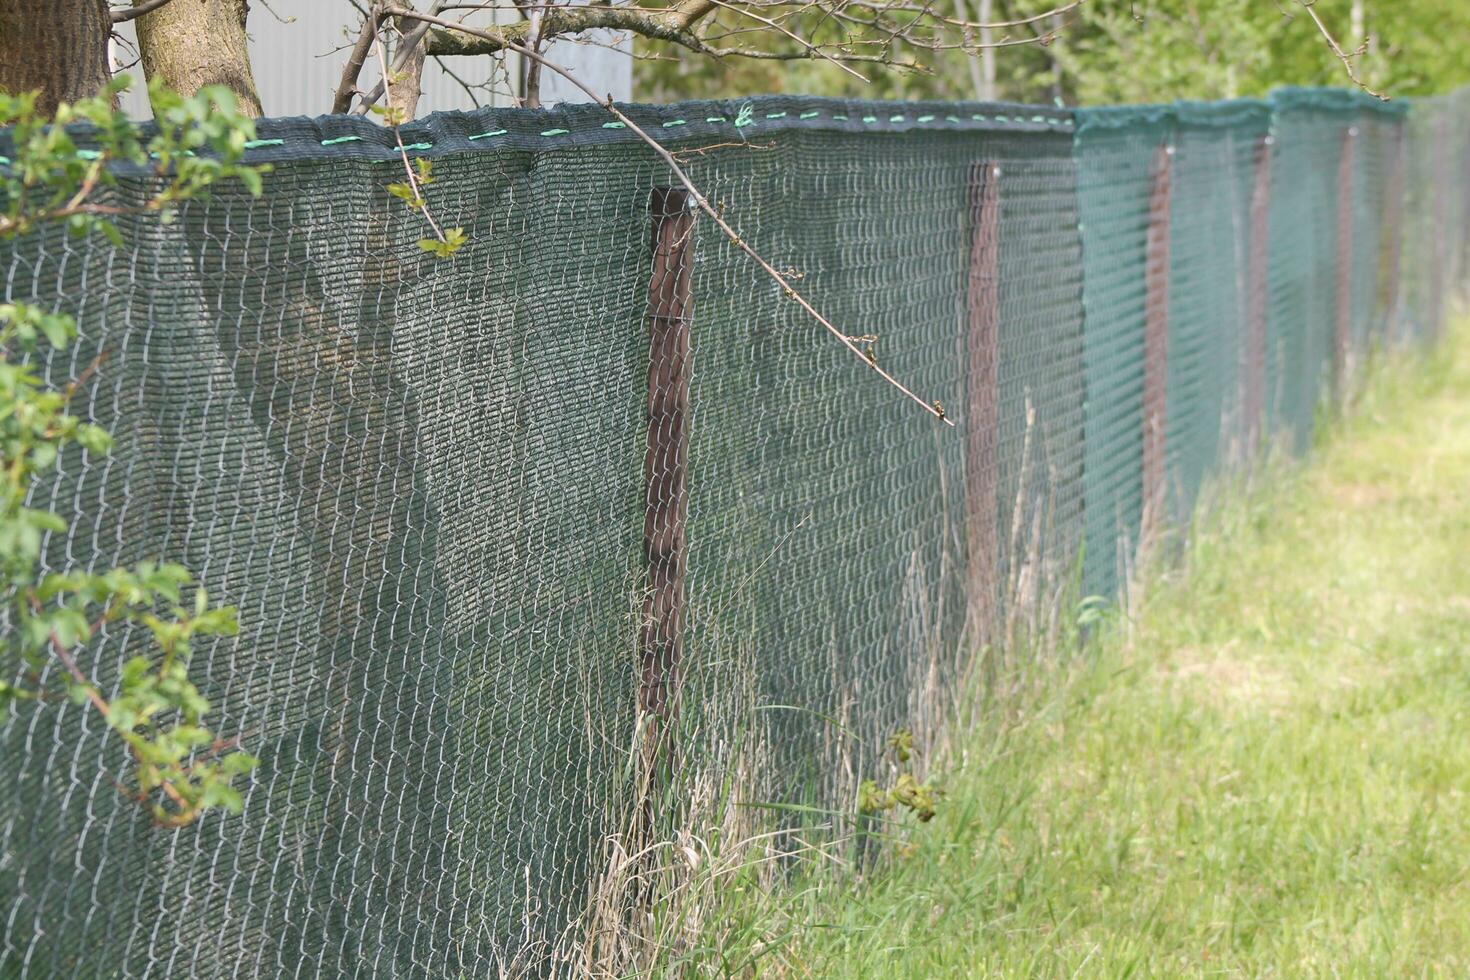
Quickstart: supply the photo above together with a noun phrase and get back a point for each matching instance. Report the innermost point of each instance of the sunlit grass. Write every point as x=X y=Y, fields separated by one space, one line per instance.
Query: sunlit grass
x=1267 y=773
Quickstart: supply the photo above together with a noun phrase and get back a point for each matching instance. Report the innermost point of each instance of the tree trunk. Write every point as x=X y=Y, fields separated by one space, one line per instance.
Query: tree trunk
x=58 y=48
x=188 y=44
x=407 y=91
x=987 y=53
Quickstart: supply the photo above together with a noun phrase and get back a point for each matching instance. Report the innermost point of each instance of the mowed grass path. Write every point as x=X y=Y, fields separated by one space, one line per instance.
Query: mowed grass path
x=1269 y=775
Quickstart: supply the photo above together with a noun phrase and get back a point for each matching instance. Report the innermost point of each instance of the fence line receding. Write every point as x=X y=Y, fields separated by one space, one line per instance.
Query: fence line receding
x=540 y=550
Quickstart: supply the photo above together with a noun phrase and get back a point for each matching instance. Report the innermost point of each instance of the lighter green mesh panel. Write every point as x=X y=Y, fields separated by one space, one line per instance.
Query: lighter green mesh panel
x=1301 y=305
x=1115 y=149
x=1213 y=174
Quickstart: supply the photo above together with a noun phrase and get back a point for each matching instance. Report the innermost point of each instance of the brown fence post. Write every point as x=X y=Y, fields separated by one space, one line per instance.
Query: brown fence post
x=1156 y=341
x=1393 y=221
x=1342 y=337
x=982 y=339
x=665 y=471
x=1258 y=269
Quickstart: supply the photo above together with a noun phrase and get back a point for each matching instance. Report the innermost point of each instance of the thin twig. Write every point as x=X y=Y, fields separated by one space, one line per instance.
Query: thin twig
x=1343 y=56
x=404 y=51
x=699 y=151
x=704 y=205
x=124 y=14
x=413 y=182
x=812 y=48
x=342 y=99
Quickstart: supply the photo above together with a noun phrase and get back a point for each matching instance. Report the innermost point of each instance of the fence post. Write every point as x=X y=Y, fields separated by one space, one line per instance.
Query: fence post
x=982 y=418
x=665 y=471
x=1462 y=251
x=1342 y=337
x=1438 y=201
x=1258 y=269
x=1394 y=233
x=1156 y=341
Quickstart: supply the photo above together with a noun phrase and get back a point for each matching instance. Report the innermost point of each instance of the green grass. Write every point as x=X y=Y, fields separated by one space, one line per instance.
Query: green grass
x=1267 y=772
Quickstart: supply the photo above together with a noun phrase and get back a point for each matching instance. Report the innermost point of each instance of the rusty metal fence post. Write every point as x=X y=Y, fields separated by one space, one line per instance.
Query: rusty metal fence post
x=665 y=471
x=1258 y=269
x=982 y=339
x=1156 y=341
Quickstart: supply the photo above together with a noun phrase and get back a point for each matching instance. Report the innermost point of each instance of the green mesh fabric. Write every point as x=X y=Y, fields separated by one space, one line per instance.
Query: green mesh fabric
x=1114 y=151
x=424 y=483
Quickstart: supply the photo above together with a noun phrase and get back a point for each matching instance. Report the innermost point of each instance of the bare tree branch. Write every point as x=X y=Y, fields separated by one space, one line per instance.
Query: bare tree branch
x=347 y=87
x=402 y=56
x=393 y=119
x=789 y=291
x=879 y=24
x=124 y=14
x=1343 y=56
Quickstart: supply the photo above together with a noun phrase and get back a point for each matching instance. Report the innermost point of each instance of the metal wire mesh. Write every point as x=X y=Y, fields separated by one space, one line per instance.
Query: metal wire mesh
x=541 y=550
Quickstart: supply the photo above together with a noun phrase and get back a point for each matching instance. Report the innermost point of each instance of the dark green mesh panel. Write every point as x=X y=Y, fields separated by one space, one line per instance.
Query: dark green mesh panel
x=423 y=482
x=827 y=516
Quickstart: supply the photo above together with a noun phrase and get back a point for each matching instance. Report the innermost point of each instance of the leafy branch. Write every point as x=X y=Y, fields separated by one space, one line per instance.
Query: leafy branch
x=420 y=172
x=907 y=791
x=180 y=769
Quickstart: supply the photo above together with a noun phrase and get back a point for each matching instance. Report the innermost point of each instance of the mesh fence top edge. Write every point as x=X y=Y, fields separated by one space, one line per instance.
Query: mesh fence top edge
x=340 y=137
x=1293 y=97
x=1245 y=113
x=356 y=137
x=1230 y=113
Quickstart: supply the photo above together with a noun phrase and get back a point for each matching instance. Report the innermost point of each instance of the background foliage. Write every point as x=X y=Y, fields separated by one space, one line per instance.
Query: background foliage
x=1120 y=51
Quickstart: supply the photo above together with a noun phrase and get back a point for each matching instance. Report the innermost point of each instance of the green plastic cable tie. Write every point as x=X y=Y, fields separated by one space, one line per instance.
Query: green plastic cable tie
x=809 y=115
x=341 y=139
x=674 y=122
x=840 y=118
x=256 y=144
x=493 y=132
x=775 y=115
x=555 y=132
x=746 y=117
x=89 y=154
x=897 y=118
x=614 y=125
x=978 y=118
x=419 y=146
x=924 y=119
x=870 y=119
x=714 y=119
x=953 y=119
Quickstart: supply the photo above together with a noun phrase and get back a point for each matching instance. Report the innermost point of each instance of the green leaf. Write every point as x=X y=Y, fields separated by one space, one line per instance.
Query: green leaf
x=454 y=239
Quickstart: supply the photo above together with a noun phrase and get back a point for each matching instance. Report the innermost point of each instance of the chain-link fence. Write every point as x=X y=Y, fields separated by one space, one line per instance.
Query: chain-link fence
x=558 y=545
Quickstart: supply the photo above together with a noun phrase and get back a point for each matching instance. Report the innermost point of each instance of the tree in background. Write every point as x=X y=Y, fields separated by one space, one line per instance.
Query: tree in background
x=60 y=49
x=1024 y=50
